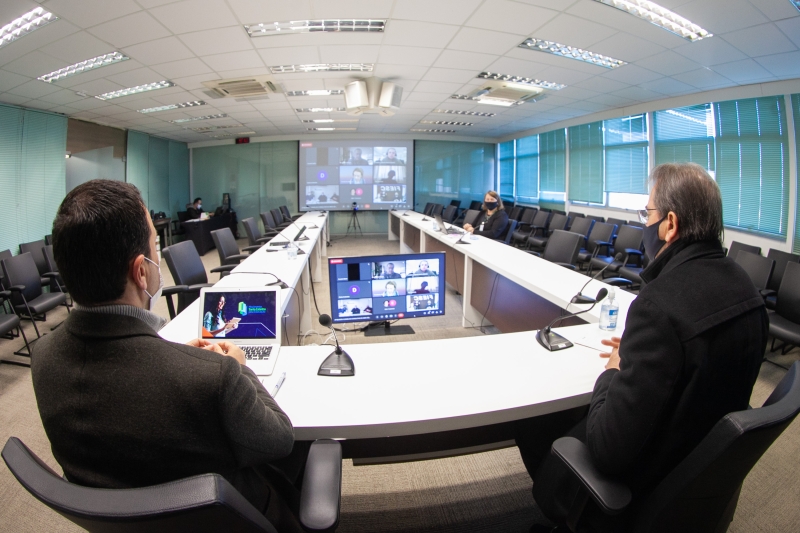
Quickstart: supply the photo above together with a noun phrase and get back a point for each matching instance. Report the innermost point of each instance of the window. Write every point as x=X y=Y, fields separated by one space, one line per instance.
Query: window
x=685 y=134
x=626 y=169
x=752 y=163
x=586 y=163
x=527 y=169
x=506 y=158
x=553 y=165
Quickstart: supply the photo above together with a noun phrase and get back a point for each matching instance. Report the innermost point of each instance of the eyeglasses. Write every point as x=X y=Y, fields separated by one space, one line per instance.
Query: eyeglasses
x=644 y=214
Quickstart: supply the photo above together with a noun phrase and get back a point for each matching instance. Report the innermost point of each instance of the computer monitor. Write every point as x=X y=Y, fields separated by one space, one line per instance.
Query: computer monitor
x=382 y=288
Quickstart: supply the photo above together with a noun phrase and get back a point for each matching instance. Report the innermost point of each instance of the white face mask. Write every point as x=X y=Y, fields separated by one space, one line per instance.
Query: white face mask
x=156 y=295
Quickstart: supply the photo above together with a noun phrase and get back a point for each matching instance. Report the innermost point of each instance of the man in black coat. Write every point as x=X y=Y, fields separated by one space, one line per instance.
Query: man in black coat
x=124 y=408
x=692 y=347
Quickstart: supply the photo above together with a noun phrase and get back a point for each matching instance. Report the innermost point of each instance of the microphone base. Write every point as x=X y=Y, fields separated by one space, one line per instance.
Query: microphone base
x=337 y=365
x=552 y=341
x=581 y=299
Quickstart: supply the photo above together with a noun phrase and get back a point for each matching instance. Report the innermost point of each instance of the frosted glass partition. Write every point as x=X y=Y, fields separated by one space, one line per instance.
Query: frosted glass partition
x=160 y=170
x=449 y=170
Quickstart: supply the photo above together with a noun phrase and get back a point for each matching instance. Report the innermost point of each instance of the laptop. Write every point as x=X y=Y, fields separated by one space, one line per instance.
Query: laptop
x=452 y=230
x=247 y=317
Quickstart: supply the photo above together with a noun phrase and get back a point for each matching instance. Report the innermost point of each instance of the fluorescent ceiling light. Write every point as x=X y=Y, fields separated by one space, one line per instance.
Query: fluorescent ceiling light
x=83 y=66
x=316 y=92
x=331 y=129
x=206 y=129
x=313 y=26
x=22 y=26
x=490 y=100
x=468 y=113
x=662 y=17
x=445 y=122
x=207 y=117
x=563 y=50
x=432 y=131
x=323 y=67
x=172 y=106
x=245 y=133
x=135 y=90
x=520 y=80
x=328 y=120
x=319 y=109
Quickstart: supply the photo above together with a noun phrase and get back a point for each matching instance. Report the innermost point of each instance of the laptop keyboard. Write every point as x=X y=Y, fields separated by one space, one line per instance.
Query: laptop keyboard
x=256 y=353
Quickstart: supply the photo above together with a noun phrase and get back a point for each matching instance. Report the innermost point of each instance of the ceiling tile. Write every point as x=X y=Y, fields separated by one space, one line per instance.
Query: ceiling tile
x=668 y=63
x=668 y=86
x=42 y=37
x=709 y=52
x=217 y=41
x=195 y=15
x=9 y=80
x=96 y=74
x=744 y=72
x=34 y=65
x=77 y=47
x=574 y=31
x=639 y=94
x=330 y=9
x=302 y=55
x=465 y=60
x=444 y=11
x=383 y=70
x=87 y=13
x=791 y=29
x=722 y=16
x=182 y=68
x=703 y=79
x=486 y=41
x=782 y=65
x=34 y=89
x=626 y=47
x=96 y=87
x=133 y=29
x=404 y=33
x=449 y=75
x=256 y=11
x=349 y=54
x=192 y=83
x=244 y=72
x=248 y=59
x=135 y=77
x=760 y=40
x=408 y=55
x=14 y=99
x=504 y=15
x=439 y=87
x=158 y=51
x=631 y=74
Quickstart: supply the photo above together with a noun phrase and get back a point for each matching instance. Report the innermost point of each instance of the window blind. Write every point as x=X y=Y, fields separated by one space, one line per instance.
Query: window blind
x=626 y=162
x=10 y=155
x=506 y=169
x=586 y=163
x=552 y=161
x=685 y=135
x=752 y=163
x=796 y=116
x=527 y=169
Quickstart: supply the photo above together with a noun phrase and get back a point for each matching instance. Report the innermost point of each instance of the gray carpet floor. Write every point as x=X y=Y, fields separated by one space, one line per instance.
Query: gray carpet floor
x=474 y=493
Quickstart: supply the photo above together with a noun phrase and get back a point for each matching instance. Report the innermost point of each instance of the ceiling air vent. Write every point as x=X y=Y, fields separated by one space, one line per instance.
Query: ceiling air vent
x=241 y=87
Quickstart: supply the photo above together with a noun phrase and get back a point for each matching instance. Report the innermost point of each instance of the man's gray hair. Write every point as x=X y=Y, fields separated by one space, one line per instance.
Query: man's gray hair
x=687 y=190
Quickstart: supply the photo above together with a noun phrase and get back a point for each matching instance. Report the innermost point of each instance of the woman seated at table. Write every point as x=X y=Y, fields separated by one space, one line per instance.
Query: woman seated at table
x=493 y=217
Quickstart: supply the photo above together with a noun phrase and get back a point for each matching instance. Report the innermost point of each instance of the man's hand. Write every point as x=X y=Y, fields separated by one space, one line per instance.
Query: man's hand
x=223 y=348
x=613 y=356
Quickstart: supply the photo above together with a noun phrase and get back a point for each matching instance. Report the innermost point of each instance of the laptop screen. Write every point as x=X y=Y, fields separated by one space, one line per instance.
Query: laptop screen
x=240 y=315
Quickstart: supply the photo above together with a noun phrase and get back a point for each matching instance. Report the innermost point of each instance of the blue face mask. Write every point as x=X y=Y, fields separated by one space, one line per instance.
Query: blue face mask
x=652 y=244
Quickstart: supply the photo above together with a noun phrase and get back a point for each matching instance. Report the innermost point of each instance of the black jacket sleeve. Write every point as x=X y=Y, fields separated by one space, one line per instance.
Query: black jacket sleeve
x=495 y=227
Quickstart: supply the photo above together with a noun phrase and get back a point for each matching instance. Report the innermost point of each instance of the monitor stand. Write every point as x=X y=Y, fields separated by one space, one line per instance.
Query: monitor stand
x=375 y=330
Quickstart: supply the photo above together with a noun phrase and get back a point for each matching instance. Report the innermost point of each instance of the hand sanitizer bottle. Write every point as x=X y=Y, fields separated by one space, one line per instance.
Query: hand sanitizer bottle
x=609 y=312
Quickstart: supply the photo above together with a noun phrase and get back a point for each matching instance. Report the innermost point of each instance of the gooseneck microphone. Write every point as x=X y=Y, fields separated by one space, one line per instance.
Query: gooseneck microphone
x=337 y=363
x=553 y=341
x=580 y=298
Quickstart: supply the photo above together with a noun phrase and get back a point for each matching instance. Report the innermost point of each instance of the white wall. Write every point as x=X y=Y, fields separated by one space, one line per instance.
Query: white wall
x=92 y=165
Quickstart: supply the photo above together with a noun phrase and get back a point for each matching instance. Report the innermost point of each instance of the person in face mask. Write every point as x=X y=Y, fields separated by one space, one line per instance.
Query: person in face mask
x=123 y=407
x=493 y=219
x=196 y=209
x=690 y=353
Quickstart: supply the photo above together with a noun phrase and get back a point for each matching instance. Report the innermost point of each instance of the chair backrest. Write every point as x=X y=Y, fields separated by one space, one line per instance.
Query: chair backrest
x=582 y=226
x=636 y=224
x=601 y=232
x=455 y=203
x=471 y=216
x=736 y=246
x=516 y=213
x=596 y=218
x=628 y=237
x=428 y=208
x=5 y=254
x=512 y=225
x=48 y=239
x=35 y=249
x=449 y=214
x=285 y=212
x=269 y=222
x=475 y=205
x=437 y=209
x=700 y=494
x=202 y=503
x=788 y=303
x=758 y=267
x=184 y=264
x=21 y=270
x=251 y=228
x=226 y=245
x=183 y=216
x=527 y=216
x=575 y=214
x=563 y=247
x=558 y=222
x=618 y=221
x=277 y=216
x=780 y=258
x=542 y=218
x=53 y=267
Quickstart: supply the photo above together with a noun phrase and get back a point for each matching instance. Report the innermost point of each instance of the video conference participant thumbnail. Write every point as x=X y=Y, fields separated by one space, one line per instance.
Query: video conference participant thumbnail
x=390 y=155
x=357 y=155
x=422 y=285
x=389 y=270
x=389 y=194
x=323 y=175
x=423 y=302
x=355 y=307
x=354 y=193
x=388 y=287
x=422 y=267
x=355 y=175
x=322 y=195
x=389 y=174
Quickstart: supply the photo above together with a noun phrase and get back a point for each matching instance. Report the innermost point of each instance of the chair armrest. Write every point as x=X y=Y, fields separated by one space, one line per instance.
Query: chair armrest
x=50 y=275
x=634 y=251
x=198 y=286
x=223 y=268
x=537 y=254
x=321 y=495
x=17 y=288
x=262 y=240
x=567 y=265
x=169 y=291
x=612 y=496
x=237 y=257
x=766 y=293
x=604 y=243
x=5 y=294
x=252 y=248
x=618 y=282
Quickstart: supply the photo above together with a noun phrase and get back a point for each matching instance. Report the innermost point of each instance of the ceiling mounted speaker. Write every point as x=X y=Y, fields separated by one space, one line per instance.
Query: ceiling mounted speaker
x=372 y=95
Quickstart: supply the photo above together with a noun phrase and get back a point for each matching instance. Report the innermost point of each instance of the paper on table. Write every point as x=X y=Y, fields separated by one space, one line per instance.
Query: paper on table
x=590 y=337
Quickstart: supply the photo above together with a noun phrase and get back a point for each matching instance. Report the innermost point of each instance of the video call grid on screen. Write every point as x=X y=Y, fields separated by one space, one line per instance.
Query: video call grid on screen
x=256 y=312
x=375 y=175
x=386 y=287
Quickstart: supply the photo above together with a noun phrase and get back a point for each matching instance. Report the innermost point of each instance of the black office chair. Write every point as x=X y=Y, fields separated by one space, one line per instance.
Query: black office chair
x=188 y=273
x=35 y=248
x=201 y=504
x=601 y=233
x=25 y=285
x=287 y=215
x=254 y=236
x=618 y=221
x=758 y=267
x=784 y=321
x=8 y=323
x=539 y=225
x=436 y=210
x=781 y=259
x=636 y=224
x=562 y=249
x=516 y=213
x=449 y=214
x=227 y=248
x=455 y=203
x=596 y=218
x=270 y=226
x=701 y=493
x=505 y=237
x=736 y=246
x=538 y=240
x=5 y=254
x=52 y=267
x=277 y=216
x=582 y=226
x=470 y=216
x=628 y=243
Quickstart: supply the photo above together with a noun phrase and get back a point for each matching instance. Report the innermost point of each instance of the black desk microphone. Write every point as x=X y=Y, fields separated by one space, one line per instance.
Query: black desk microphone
x=554 y=341
x=337 y=363
x=580 y=298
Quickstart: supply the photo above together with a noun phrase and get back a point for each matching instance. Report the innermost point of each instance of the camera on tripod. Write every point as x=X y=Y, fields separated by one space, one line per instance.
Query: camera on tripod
x=355 y=206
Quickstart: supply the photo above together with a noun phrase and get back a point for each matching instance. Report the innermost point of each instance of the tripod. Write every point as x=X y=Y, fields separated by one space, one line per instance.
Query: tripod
x=354 y=225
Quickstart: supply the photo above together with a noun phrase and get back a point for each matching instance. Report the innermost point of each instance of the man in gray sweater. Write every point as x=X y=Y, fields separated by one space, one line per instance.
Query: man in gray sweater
x=124 y=408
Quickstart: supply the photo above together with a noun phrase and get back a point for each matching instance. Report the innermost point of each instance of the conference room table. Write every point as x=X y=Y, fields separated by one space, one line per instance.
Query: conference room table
x=199 y=232
x=422 y=399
